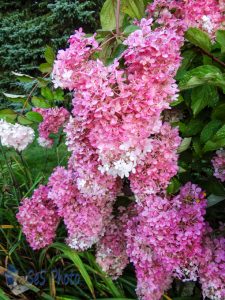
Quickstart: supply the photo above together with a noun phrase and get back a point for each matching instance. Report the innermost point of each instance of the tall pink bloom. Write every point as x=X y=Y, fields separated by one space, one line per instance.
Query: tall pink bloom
x=111 y=249
x=39 y=218
x=212 y=268
x=164 y=238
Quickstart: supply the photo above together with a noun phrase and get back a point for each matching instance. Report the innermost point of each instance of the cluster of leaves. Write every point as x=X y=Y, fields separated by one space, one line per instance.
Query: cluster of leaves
x=26 y=27
x=201 y=81
x=38 y=92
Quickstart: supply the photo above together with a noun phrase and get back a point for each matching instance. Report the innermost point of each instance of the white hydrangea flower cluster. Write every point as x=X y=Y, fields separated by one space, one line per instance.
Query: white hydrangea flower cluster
x=127 y=162
x=16 y=136
x=207 y=24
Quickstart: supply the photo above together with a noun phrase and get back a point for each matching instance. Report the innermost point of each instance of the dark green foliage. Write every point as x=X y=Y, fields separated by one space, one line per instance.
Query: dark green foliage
x=26 y=27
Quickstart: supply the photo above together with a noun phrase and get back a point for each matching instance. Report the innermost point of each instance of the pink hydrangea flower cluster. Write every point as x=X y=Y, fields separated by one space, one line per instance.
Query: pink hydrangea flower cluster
x=85 y=217
x=165 y=237
x=206 y=15
x=155 y=173
x=111 y=252
x=53 y=119
x=118 y=112
x=218 y=163
x=39 y=219
x=212 y=267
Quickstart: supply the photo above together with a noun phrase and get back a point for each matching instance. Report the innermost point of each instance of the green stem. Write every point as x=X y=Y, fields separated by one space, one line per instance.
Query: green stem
x=26 y=169
x=12 y=177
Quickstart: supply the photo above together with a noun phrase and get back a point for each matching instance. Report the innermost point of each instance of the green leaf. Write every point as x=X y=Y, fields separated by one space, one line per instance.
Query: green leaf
x=74 y=257
x=16 y=98
x=214 y=199
x=42 y=82
x=58 y=95
x=173 y=186
x=212 y=145
x=23 y=77
x=202 y=75
x=217 y=142
x=192 y=128
x=129 y=29
x=23 y=120
x=185 y=144
x=49 y=55
x=214 y=186
x=220 y=134
x=133 y=8
x=47 y=93
x=188 y=57
x=203 y=96
x=34 y=116
x=220 y=38
x=118 y=51
x=107 y=15
x=197 y=146
x=198 y=38
x=209 y=130
x=40 y=102
x=45 y=68
x=219 y=112
x=8 y=114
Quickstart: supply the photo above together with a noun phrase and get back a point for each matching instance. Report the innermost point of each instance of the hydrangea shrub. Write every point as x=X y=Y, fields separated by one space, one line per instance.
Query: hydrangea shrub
x=125 y=138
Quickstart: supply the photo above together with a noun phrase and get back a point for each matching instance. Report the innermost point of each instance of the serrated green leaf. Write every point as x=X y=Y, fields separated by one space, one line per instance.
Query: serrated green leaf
x=40 y=102
x=203 y=96
x=42 y=82
x=45 y=68
x=202 y=75
x=118 y=51
x=220 y=134
x=173 y=186
x=209 y=130
x=49 y=55
x=220 y=38
x=108 y=16
x=47 y=93
x=58 y=95
x=133 y=8
x=217 y=141
x=24 y=121
x=199 y=38
x=8 y=114
x=185 y=144
x=192 y=128
x=212 y=145
x=188 y=57
x=34 y=116
x=197 y=146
